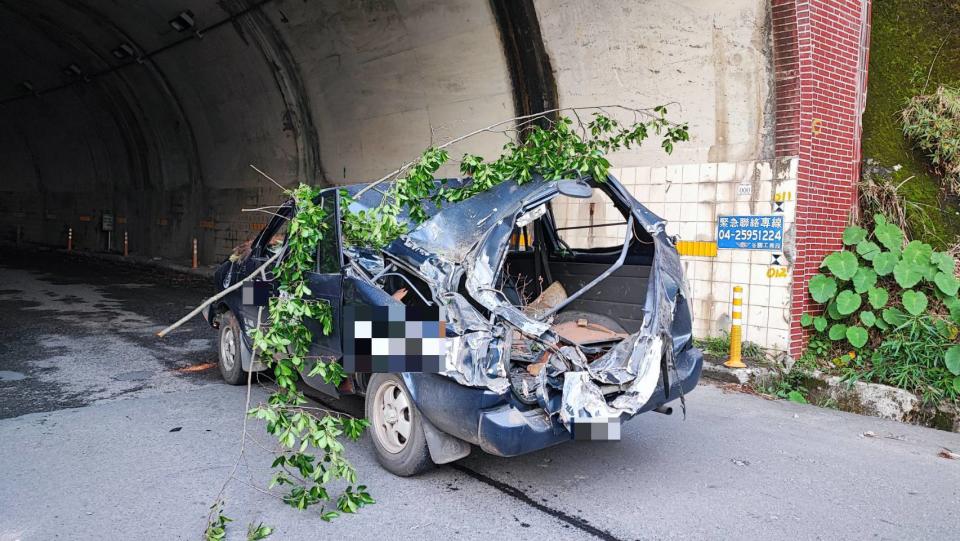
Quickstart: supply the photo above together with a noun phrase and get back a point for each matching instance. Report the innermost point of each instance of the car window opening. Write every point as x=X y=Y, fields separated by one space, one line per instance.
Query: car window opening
x=583 y=266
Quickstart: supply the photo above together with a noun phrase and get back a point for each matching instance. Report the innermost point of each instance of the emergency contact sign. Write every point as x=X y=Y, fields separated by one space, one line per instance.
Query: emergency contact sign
x=750 y=232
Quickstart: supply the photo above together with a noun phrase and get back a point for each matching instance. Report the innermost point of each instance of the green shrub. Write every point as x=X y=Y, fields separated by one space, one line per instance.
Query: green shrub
x=932 y=122
x=895 y=304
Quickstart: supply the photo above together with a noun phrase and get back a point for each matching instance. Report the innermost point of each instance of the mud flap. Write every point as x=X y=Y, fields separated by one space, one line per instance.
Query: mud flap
x=443 y=447
x=246 y=356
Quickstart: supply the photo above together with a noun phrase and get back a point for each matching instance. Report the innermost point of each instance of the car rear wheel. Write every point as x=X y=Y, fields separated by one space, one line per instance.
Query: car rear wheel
x=395 y=427
x=231 y=367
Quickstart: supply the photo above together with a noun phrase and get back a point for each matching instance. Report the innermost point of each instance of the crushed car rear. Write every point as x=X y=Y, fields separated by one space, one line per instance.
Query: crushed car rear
x=541 y=338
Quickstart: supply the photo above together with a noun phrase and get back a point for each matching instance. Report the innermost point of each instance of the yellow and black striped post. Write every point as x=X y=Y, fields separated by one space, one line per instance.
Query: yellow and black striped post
x=736 y=332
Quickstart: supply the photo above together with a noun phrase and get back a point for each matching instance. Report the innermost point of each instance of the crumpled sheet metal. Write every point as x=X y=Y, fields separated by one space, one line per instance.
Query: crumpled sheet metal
x=472 y=238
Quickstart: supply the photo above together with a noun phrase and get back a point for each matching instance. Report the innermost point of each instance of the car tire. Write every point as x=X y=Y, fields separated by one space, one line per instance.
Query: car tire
x=395 y=427
x=231 y=342
x=600 y=319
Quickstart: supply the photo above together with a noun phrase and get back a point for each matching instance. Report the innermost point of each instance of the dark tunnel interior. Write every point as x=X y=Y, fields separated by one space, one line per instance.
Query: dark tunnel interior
x=150 y=113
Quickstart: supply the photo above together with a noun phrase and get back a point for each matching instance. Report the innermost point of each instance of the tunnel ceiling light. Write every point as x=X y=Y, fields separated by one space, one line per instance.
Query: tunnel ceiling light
x=27 y=85
x=72 y=70
x=183 y=21
x=125 y=50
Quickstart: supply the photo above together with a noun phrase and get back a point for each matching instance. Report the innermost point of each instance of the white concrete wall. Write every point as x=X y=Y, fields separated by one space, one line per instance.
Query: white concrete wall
x=692 y=197
x=711 y=57
x=388 y=79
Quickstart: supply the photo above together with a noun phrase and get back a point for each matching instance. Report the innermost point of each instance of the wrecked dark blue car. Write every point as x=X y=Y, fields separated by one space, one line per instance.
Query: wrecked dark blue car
x=564 y=308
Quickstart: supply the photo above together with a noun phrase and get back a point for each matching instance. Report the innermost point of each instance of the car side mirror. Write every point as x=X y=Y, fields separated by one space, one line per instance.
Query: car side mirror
x=575 y=188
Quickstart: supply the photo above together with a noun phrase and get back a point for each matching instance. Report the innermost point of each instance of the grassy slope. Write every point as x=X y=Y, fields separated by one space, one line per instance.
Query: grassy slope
x=906 y=36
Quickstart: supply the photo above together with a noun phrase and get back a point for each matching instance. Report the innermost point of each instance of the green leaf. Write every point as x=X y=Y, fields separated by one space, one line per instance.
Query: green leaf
x=944 y=262
x=259 y=532
x=952 y=360
x=953 y=305
x=956 y=384
x=868 y=250
x=907 y=274
x=864 y=279
x=868 y=318
x=918 y=253
x=854 y=234
x=885 y=262
x=943 y=328
x=947 y=283
x=848 y=302
x=832 y=310
x=914 y=302
x=894 y=316
x=878 y=297
x=819 y=323
x=857 y=336
x=881 y=324
x=838 y=332
x=796 y=397
x=806 y=320
x=822 y=288
x=888 y=235
x=842 y=264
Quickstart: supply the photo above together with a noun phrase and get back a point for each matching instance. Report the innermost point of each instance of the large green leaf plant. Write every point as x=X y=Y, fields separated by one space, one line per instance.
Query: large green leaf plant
x=880 y=287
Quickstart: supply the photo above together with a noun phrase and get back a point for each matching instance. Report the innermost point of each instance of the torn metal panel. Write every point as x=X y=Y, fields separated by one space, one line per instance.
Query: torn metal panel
x=460 y=252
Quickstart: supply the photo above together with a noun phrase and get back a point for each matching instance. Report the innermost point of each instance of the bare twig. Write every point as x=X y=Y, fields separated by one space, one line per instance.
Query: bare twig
x=490 y=128
x=266 y=176
x=243 y=435
x=266 y=212
x=930 y=71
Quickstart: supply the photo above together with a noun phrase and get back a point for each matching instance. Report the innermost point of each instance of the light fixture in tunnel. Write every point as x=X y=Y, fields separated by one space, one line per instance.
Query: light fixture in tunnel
x=124 y=50
x=183 y=21
x=72 y=70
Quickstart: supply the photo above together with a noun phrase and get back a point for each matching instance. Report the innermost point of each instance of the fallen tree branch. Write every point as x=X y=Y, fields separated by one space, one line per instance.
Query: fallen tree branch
x=218 y=296
x=542 y=114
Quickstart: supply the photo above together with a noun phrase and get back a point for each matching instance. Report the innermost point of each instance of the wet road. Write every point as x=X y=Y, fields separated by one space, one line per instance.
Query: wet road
x=107 y=432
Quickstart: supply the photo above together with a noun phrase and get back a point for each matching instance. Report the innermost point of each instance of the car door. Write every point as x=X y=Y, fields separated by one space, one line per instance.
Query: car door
x=325 y=283
x=270 y=240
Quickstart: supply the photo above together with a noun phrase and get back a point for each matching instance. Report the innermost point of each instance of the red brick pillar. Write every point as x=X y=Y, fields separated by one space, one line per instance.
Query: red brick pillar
x=832 y=37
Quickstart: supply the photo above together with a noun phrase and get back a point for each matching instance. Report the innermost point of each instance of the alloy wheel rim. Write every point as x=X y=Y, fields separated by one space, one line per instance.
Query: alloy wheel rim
x=228 y=349
x=392 y=417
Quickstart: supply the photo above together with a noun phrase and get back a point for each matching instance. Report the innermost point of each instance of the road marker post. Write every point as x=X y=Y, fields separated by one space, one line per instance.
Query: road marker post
x=69 y=239
x=736 y=332
x=194 y=254
x=126 y=246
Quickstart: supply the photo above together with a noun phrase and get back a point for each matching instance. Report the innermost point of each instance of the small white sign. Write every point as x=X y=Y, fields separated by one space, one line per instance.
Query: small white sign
x=744 y=190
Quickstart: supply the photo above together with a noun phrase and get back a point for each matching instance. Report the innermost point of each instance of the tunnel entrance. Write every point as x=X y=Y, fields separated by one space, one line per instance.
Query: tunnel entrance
x=142 y=119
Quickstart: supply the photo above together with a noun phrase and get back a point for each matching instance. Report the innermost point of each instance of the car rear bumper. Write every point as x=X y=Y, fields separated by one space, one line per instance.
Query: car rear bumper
x=501 y=425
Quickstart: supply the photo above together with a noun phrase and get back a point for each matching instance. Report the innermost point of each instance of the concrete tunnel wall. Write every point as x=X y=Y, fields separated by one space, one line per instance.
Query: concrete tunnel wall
x=330 y=92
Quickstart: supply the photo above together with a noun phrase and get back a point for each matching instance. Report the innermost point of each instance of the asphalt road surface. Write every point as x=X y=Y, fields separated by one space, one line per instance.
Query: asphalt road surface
x=107 y=432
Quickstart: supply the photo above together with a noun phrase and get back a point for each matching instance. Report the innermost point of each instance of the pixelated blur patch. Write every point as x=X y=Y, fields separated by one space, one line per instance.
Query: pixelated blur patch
x=256 y=293
x=596 y=429
x=391 y=339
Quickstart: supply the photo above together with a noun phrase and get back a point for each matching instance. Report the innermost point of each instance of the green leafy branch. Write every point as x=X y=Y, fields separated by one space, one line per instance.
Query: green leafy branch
x=284 y=345
x=568 y=148
x=309 y=452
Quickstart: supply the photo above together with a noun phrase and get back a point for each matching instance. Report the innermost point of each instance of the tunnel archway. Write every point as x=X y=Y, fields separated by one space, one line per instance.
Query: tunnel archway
x=152 y=112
